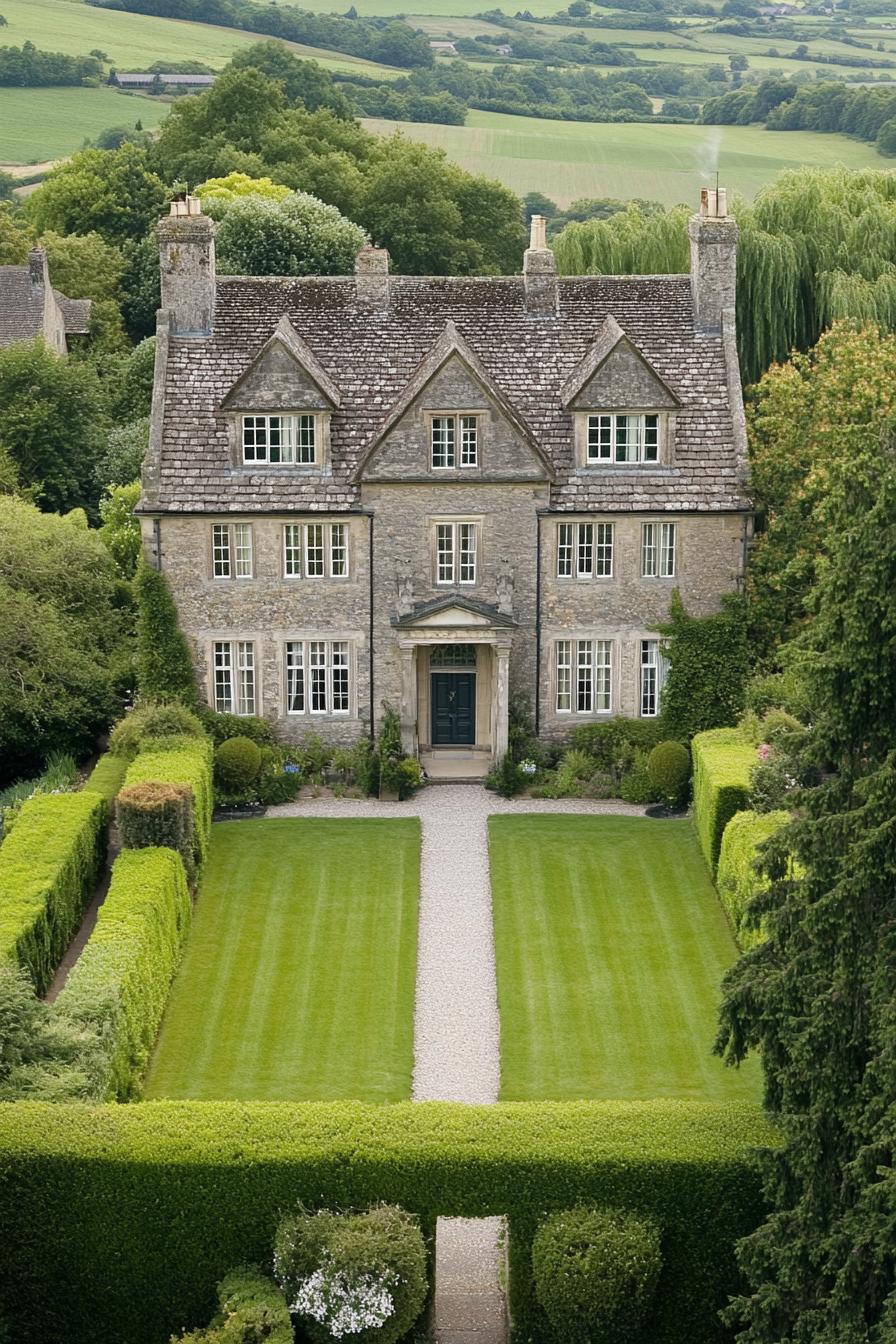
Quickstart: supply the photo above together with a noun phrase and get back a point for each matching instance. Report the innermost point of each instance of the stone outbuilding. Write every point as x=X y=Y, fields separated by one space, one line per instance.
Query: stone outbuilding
x=443 y=492
x=31 y=307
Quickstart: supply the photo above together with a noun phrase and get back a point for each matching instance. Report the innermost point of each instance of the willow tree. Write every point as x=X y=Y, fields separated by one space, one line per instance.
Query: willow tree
x=816 y=244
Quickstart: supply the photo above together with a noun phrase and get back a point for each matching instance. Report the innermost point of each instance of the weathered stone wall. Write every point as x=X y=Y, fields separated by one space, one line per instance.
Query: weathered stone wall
x=624 y=380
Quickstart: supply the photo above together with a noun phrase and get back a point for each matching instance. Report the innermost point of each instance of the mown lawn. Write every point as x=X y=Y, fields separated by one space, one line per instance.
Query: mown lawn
x=298 y=977
x=611 y=946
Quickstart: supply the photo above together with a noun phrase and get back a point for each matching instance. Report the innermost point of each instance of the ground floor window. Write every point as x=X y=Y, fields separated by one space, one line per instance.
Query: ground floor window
x=234 y=669
x=317 y=676
x=653 y=676
x=584 y=675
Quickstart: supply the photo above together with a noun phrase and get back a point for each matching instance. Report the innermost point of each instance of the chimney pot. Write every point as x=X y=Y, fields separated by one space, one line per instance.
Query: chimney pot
x=539 y=272
x=37 y=267
x=538 y=232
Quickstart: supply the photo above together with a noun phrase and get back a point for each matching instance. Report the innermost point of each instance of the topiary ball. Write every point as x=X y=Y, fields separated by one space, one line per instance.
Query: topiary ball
x=237 y=763
x=595 y=1274
x=669 y=769
x=356 y=1274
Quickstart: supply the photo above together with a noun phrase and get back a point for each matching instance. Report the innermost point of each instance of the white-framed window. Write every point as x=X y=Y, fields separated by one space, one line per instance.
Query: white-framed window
x=653 y=676
x=317 y=676
x=315 y=550
x=282 y=440
x=232 y=550
x=584 y=676
x=614 y=437
x=455 y=441
x=456 y=545
x=658 y=551
x=234 y=671
x=585 y=550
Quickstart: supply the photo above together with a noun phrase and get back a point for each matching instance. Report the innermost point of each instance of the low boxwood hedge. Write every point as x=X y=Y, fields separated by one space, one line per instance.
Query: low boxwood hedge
x=251 y=1306
x=48 y=867
x=119 y=1220
x=190 y=764
x=737 y=879
x=107 y=777
x=723 y=761
x=118 y=987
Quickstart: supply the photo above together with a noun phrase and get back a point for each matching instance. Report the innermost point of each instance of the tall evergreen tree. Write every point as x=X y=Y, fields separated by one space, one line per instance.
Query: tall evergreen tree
x=164 y=666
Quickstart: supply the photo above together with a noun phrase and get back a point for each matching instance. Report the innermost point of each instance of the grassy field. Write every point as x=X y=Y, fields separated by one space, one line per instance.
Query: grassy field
x=611 y=946
x=38 y=124
x=298 y=977
x=570 y=159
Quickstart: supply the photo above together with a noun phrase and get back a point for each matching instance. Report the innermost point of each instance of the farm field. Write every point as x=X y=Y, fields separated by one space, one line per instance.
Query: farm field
x=610 y=945
x=298 y=977
x=38 y=124
x=567 y=160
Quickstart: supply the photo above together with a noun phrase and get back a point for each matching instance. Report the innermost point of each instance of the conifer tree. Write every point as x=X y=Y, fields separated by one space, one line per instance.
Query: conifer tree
x=164 y=666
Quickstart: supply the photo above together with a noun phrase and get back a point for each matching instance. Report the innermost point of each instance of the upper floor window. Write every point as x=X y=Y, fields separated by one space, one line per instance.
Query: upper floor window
x=315 y=550
x=232 y=550
x=584 y=676
x=658 y=551
x=317 y=676
x=455 y=441
x=622 y=438
x=234 y=671
x=653 y=676
x=585 y=550
x=280 y=439
x=456 y=545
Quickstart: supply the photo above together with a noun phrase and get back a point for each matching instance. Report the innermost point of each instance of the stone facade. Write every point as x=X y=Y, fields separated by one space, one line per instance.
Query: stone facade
x=380 y=565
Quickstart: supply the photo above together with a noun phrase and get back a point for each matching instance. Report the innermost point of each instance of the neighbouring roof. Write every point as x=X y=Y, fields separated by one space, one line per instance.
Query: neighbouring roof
x=22 y=307
x=146 y=78
x=372 y=355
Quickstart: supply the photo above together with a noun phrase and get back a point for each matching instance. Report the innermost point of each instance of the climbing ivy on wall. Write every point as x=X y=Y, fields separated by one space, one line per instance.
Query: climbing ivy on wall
x=708 y=667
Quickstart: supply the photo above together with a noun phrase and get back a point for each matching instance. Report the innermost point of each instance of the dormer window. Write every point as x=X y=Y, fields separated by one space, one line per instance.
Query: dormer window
x=281 y=440
x=455 y=441
x=614 y=437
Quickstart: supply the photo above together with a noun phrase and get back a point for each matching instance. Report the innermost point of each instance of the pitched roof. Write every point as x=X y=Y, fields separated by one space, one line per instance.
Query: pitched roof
x=76 y=313
x=22 y=307
x=372 y=355
x=603 y=345
x=286 y=335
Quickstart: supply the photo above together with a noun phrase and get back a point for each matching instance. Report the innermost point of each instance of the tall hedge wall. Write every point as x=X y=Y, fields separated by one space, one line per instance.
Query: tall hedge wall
x=119 y=1220
x=723 y=761
x=120 y=983
x=106 y=777
x=48 y=867
x=737 y=879
x=190 y=764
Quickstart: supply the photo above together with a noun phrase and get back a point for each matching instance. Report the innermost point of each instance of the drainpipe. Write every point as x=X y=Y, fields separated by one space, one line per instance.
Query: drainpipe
x=370 y=632
x=157 y=538
x=537 y=624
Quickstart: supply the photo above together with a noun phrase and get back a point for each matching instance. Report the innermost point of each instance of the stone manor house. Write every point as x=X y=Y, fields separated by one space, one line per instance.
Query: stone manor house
x=441 y=492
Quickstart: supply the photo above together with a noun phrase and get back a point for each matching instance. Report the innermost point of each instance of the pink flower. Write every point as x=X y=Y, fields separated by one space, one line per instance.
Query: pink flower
x=764 y=751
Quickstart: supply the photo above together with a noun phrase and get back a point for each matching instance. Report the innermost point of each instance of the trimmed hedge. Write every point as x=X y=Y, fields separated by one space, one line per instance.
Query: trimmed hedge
x=107 y=777
x=723 y=761
x=737 y=879
x=118 y=988
x=48 y=867
x=189 y=765
x=250 y=1306
x=119 y=1220
x=152 y=814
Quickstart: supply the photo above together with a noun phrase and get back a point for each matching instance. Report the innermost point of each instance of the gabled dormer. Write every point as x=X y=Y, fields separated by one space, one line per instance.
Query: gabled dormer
x=279 y=409
x=623 y=411
x=453 y=423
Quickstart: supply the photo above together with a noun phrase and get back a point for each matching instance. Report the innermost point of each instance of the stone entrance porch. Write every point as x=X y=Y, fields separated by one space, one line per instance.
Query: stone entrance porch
x=455 y=658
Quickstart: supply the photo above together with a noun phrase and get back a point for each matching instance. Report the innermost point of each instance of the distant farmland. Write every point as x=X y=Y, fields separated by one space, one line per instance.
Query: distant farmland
x=38 y=124
x=567 y=160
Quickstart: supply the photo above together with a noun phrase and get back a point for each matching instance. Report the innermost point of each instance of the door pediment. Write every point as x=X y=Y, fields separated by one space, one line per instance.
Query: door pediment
x=454 y=613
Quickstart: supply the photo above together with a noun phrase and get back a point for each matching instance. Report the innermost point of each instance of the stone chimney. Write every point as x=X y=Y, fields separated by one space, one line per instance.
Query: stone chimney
x=540 y=272
x=713 y=234
x=187 y=258
x=372 y=276
x=38 y=269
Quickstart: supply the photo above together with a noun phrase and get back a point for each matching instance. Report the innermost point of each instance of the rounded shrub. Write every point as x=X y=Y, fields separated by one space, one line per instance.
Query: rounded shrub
x=153 y=725
x=237 y=763
x=357 y=1274
x=595 y=1273
x=669 y=769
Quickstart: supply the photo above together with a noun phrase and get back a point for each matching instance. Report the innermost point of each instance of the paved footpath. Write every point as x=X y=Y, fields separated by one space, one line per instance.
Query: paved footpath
x=456 y=1029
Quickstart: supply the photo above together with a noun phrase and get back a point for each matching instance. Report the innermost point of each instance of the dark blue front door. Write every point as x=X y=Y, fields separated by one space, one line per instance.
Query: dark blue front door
x=453 y=708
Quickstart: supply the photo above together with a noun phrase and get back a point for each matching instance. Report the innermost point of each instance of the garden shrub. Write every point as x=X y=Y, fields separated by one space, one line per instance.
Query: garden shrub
x=723 y=761
x=107 y=777
x=237 y=763
x=614 y=744
x=190 y=764
x=174 y=1194
x=38 y=1053
x=279 y=779
x=669 y=769
x=709 y=661
x=153 y=814
x=222 y=727
x=363 y=1274
x=251 y=1310
x=737 y=880
x=48 y=868
x=150 y=723
x=118 y=987
x=636 y=785
x=60 y=776
x=507 y=778
x=595 y=1273
x=164 y=664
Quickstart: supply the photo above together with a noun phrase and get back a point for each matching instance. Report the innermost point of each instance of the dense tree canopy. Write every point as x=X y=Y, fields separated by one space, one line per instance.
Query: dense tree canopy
x=297 y=235
x=114 y=194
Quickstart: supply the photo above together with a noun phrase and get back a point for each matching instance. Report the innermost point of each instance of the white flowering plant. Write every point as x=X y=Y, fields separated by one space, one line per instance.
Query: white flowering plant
x=353 y=1276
